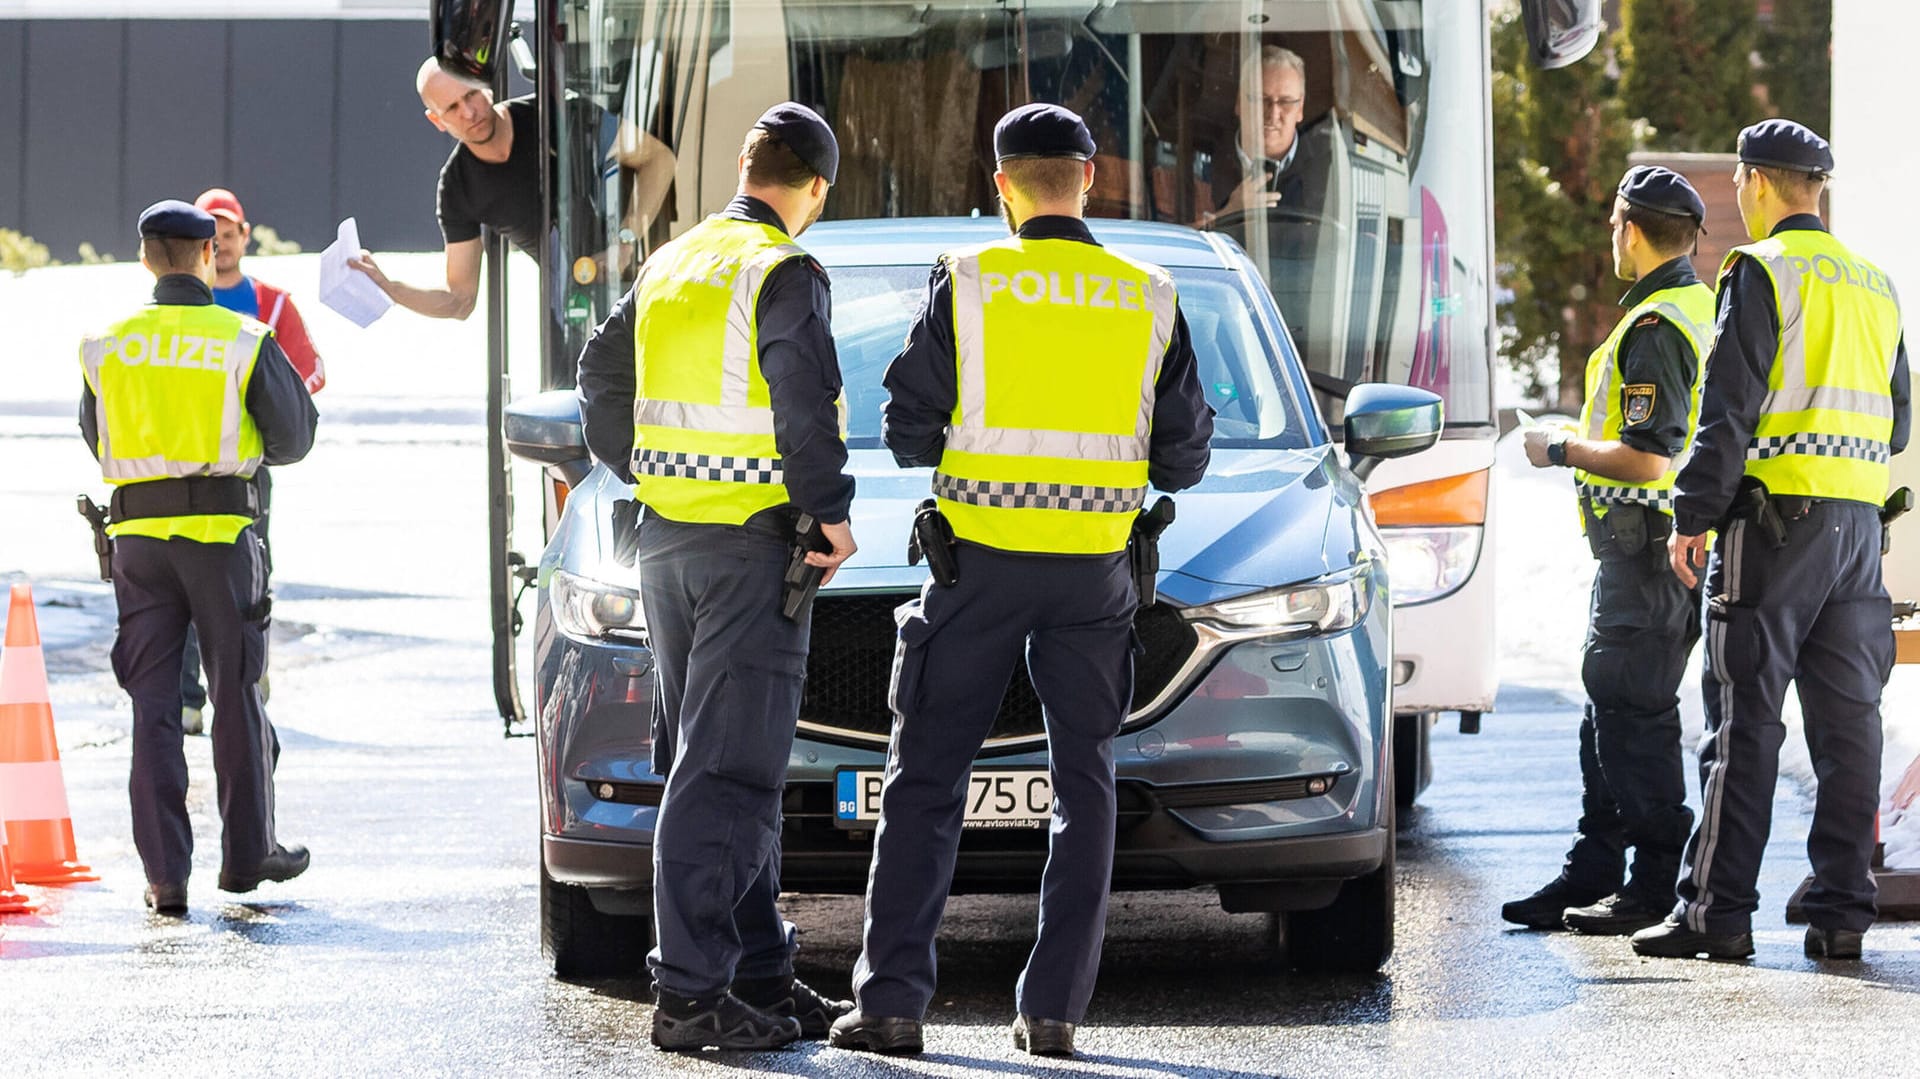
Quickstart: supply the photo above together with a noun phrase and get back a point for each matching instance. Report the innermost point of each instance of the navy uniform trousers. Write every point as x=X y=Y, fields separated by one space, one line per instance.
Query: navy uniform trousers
x=728 y=675
x=1815 y=613
x=1633 y=780
x=220 y=589
x=1073 y=618
x=193 y=693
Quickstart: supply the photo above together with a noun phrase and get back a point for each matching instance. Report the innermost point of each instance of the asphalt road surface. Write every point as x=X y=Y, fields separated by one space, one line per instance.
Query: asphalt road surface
x=411 y=946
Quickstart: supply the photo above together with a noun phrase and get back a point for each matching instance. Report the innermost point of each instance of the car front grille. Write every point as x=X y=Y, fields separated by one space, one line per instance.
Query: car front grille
x=851 y=662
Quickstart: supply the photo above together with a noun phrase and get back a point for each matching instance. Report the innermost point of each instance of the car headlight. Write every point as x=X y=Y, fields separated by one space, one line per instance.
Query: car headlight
x=584 y=607
x=1328 y=605
x=1425 y=564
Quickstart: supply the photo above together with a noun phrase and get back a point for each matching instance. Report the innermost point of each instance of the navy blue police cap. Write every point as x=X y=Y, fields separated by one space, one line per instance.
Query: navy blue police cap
x=1783 y=144
x=1662 y=190
x=1041 y=130
x=174 y=219
x=806 y=134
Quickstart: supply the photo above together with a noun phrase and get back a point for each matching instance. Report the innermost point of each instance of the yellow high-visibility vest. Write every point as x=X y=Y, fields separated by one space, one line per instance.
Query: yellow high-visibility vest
x=1690 y=309
x=1058 y=345
x=170 y=400
x=1827 y=420
x=703 y=447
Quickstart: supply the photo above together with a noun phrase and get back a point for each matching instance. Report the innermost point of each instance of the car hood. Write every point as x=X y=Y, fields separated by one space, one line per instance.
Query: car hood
x=1260 y=519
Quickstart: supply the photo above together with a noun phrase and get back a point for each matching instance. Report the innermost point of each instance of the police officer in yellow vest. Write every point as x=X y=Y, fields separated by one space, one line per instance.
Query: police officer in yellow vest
x=1806 y=399
x=1048 y=381
x=713 y=387
x=1643 y=397
x=183 y=401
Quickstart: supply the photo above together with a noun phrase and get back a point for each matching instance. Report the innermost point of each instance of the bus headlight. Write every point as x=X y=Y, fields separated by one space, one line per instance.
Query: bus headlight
x=1425 y=564
x=583 y=607
x=1331 y=604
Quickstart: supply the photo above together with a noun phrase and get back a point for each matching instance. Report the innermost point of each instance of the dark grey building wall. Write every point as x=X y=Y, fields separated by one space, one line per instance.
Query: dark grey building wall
x=308 y=121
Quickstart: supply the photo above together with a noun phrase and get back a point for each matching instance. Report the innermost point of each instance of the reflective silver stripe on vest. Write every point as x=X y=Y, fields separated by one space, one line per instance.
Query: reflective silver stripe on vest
x=1793 y=330
x=737 y=353
x=972 y=435
x=723 y=419
x=1697 y=337
x=1829 y=398
x=701 y=466
x=1606 y=495
x=1039 y=496
x=1816 y=445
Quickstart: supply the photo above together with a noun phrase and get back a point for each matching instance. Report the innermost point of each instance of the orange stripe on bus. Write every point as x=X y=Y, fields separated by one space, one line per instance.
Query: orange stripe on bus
x=1450 y=500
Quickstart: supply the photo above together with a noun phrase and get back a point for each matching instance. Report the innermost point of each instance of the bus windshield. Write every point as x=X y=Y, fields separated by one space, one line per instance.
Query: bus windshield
x=1342 y=143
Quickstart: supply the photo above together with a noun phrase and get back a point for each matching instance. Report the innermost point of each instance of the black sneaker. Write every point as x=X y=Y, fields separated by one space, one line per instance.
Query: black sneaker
x=1617 y=915
x=876 y=1034
x=1671 y=940
x=1833 y=943
x=1547 y=908
x=790 y=997
x=689 y=1024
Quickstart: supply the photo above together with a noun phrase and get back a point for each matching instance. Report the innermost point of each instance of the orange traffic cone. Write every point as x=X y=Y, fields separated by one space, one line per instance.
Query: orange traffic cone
x=11 y=902
x=33 y=792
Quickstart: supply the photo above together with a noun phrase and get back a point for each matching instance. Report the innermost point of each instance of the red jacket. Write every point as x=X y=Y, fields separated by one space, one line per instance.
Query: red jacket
x=277 y=311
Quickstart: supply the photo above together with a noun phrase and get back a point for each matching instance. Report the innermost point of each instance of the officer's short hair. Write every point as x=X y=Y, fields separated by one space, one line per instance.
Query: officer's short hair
x=772 y=163
x=171 y=254
x=1046 y=179
x=1794 y=186
x=1670 y=234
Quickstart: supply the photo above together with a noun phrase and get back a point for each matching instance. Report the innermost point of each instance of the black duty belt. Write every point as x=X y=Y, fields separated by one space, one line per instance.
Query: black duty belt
x=192 y=497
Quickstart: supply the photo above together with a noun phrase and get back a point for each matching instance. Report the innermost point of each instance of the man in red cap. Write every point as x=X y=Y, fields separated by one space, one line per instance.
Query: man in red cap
x=236 y=291
x=245 y=295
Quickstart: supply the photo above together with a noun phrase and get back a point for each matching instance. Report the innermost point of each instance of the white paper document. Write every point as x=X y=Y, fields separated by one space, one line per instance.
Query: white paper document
x=345 y=289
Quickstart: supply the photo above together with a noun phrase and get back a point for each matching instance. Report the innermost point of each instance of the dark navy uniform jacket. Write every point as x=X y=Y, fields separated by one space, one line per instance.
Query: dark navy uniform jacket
x=797 y=358
x=1655 y=353
x=277 y=398
x=1746 y=336
x=923 y=383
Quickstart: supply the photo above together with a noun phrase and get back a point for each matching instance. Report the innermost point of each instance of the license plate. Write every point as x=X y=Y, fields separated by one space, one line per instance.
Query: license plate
x=1000 y=798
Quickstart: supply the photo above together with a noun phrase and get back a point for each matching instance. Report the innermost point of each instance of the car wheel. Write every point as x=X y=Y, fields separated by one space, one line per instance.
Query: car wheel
x=1412 y=764
x=582 y=941
x=1352 y=936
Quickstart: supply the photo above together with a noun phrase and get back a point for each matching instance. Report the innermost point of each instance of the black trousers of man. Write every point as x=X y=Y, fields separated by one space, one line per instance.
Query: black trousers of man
x=1072 y=617
x=195 y=694
x=1814 y=612
x=728 y=675
x=1633 y=783
x=220 y=589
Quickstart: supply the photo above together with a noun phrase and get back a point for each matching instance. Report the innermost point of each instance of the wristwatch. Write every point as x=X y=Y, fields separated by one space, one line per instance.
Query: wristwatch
x=1557 y=452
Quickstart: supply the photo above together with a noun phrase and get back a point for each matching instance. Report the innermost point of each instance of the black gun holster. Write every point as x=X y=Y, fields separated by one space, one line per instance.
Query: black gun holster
x=1753 y=503
x=802 y=580
x=1624 y=531
x=1143 y=550
x=932 y=539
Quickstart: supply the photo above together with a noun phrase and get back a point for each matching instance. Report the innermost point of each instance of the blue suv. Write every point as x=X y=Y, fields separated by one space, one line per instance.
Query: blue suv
x=1257 y=756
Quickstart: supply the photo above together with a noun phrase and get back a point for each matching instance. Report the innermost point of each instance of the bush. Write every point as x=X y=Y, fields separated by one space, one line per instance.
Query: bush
x=268 y=242
x=19 y=253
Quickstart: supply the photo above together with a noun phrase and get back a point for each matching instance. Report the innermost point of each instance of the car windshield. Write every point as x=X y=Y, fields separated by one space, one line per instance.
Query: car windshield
x=1240 y=366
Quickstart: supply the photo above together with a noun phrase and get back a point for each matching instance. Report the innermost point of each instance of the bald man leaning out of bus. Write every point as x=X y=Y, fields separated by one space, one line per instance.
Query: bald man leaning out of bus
x=492 y=179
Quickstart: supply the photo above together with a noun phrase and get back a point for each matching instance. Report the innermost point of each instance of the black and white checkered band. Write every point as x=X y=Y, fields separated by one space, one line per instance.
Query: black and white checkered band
x=1861 y=449
x=700 y=466
x=1607 y=495
x=1039 y=496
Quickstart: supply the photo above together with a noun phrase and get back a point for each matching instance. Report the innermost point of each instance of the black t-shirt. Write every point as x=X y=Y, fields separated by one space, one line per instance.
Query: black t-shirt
x=506 y=196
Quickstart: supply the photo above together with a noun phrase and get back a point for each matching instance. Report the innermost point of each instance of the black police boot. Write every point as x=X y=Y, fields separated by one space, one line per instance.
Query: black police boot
x=1671 y=940
x=172 y=899
x=1043 y=1037
x=1833 y=943
x=285 y=863
x=1547 y=908
x=721 y=1021
x=876 y=1034
x=792 y=998
x=1617 y=915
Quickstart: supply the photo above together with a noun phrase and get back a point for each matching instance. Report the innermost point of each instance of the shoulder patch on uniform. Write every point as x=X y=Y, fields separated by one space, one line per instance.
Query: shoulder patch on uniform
x=1647 y=320
x=1637 y=403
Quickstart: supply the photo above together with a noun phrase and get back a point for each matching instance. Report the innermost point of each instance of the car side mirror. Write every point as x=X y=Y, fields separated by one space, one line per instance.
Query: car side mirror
x=1384 y=420
x=546 y=430
x=1560 y=32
